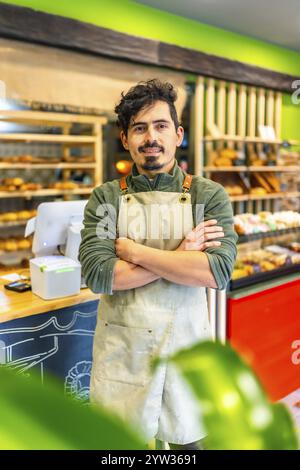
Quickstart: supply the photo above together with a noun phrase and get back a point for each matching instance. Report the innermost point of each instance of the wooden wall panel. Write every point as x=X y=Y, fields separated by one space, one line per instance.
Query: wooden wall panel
x=33 y=26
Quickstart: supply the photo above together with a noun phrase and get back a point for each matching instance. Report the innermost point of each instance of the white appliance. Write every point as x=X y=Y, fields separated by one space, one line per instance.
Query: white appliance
x=53 y=277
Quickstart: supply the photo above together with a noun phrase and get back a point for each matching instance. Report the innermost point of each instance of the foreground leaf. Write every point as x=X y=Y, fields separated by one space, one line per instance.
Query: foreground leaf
x=38 y=417
x=235 y=409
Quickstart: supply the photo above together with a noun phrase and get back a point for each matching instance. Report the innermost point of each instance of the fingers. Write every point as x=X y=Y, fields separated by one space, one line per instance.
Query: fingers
x=206 y=223
x=206 y=234
x=212 y=236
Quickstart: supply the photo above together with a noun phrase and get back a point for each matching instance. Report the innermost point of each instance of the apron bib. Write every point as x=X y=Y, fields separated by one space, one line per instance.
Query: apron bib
x=157 y=319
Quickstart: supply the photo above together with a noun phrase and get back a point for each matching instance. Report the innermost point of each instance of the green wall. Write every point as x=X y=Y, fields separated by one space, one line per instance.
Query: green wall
x=130 y=17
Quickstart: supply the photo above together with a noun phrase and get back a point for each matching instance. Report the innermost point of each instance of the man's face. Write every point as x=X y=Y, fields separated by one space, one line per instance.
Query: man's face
x=152 y=139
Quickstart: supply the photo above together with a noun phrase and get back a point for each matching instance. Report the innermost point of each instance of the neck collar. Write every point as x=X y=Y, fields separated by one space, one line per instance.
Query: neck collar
x=160 y=181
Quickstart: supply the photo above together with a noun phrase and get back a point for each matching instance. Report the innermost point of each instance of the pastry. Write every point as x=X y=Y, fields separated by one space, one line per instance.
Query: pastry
x=222 y=161
x=237 y=190
x=228 y=153
x=30 y=187
x=13 y=181
x=26 y=159
x=273 y=181
x=23 y=215
x=256 y=161
x=262 y=182
x=295 y=246
x=12 y=159
x=11 y=188
x=65 y=185
x=23 y=244
x=267 y=265
x=10 y=245
x=9 y=216
x=238 y=273
x=258 y=191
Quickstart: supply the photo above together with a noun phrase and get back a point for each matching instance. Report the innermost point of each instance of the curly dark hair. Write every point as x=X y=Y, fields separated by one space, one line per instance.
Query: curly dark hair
x=142 y=95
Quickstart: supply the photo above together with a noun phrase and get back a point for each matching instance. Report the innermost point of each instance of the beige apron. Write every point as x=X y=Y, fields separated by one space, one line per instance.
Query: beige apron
x=157 y=319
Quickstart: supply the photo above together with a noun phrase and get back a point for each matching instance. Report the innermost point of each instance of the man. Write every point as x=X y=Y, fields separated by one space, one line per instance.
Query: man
x=152 y=279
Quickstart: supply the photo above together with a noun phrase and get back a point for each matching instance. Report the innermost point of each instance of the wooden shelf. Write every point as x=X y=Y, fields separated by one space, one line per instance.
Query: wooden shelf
x=54 y=138
x=254 y=197
x=274 y=168
x=43 y=117
x=45 y=192
x=241 y=198
x=251 y=168
x=236 y=138
x=40 y=166
x=225 y=168
x=40 y=120
x=13 y=223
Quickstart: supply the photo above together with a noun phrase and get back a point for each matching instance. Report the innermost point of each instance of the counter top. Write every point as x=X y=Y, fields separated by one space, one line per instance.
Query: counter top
x=15 y=305
x=261 y=286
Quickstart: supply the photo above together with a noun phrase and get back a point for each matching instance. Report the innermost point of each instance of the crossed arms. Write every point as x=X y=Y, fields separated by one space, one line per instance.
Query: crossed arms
x=110 y=265
x=188 y=264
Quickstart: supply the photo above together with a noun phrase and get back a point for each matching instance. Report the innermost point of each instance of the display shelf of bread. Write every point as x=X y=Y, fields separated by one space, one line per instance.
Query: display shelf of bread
x=252 y=160
x=227 y=158
x=234 y=183
x=290 y=154
x=15 y=251
x=269 y=246
x=11 y=219
x=252 y=226
x=264 y=184
x=37 y=163
x=47 y=192
x=18 y=187
x=83 y=132
x=269 y=259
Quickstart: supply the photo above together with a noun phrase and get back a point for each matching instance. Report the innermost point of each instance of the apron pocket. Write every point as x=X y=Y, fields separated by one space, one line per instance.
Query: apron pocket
x=123 y=353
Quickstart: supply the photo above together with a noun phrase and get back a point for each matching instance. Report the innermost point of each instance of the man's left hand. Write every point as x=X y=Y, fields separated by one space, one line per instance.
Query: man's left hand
x=126 y=249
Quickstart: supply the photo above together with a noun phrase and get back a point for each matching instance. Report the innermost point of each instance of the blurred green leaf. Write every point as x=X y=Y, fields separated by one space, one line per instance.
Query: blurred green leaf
x=37 y=417
x=235 y=409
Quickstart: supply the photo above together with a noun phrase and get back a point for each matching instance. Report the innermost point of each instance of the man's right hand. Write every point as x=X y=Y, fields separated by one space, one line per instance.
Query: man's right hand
x=202 y=236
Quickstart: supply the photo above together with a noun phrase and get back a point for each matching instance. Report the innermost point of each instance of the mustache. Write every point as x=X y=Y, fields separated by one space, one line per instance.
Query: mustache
x=154 y=144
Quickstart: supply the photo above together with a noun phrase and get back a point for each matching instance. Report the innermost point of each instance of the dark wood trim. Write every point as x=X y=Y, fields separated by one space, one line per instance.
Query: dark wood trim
x=56 y=31
x=224 y=69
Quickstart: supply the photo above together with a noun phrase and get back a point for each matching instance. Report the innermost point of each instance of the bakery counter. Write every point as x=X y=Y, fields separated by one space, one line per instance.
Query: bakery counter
x=14 y=305
x=49 y=336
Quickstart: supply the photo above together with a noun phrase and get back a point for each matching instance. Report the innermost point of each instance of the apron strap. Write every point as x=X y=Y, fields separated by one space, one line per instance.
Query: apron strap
x=123 y=184
x=186 y=185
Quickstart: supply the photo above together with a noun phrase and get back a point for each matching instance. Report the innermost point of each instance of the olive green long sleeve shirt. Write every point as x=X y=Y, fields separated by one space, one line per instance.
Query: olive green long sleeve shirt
x=97 y=254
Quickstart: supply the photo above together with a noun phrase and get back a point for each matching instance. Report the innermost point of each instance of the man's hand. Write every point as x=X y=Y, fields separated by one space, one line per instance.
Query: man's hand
x=202 y=236
x=125 y=249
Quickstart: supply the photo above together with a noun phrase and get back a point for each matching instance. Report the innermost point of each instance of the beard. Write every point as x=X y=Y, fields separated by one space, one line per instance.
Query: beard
x=151 y=163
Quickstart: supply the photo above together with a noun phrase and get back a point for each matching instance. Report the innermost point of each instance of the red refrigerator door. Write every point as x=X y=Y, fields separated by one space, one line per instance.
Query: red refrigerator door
x=265 y=329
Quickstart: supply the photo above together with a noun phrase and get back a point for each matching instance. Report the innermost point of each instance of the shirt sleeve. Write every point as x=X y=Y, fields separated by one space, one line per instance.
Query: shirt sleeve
x=221 y=259
x=97 y=249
